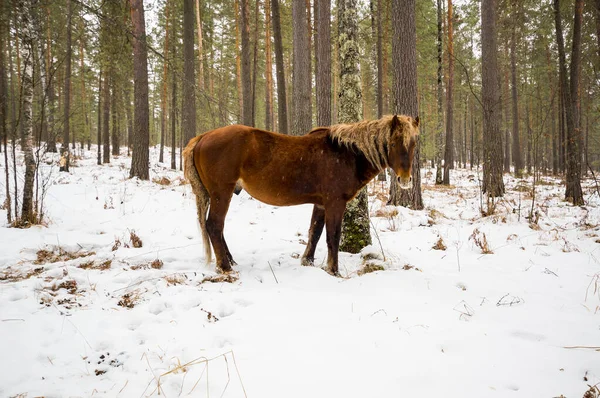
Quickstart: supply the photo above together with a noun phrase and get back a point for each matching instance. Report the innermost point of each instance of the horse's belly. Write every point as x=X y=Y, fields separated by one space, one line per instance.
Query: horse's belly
x=276 y=195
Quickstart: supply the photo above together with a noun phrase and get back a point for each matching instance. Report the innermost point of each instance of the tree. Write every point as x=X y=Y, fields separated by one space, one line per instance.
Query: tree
x=67 y=90
x=570 y=97
x=163 y=97
x=188 y=100
x=493 y=184
x=301 y=82
x=404 y=64
x=356 y=232
x=439 y=138
x=282 y=117
x=25 y=10
x=323 y=61
x=268 y=69
x=246 y=71
x=516 y=149
x=141 y=138
x=4 y=105
x=449 y=153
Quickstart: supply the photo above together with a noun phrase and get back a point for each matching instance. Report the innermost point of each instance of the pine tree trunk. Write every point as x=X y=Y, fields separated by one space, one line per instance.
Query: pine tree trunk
x=404 y=63
x=51 y=134
x=493 y=184
x=4 y=105
x=439 y=139
x=141 y=135
x=356 y=232
x=255 y=62
x=25 y=10
x=380 y=92
x=516 y=150
x=246 y=70
x=188 y=105
x=99 y=128
x=268 y=69
x=67 y=90
x=238 y=62
x=173 y=111
x=282 y=118
x=200 y=46
x=106 y=119
x=301 y=82
x=115 y=131
x=323 y=61
x=449 y=151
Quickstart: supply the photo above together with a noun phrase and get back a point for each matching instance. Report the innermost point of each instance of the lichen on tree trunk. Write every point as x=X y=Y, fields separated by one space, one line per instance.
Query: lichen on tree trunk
x=356 y=232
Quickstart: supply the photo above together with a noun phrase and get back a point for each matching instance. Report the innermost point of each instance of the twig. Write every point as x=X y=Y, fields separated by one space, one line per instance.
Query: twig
x=273 y=272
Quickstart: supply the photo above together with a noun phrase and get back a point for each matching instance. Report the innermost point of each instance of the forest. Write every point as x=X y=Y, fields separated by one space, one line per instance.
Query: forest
x=481 y=279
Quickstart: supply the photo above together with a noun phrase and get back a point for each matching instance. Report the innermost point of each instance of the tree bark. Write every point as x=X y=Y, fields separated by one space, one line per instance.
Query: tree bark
x=404 y=64
x=200 y=46
x=114 y=99
x=268 y=69
x=163 y=97
x=323 y=61
x=282 y=118
x=246 y=67
x=439 y=139
x=106 y=120
x=493 y=184
x=516 y=150
x=141 y=139
x=449 y=152
x=4 y=106
x=255 y=62
x=356 y=232
x=188 y=105
x=301 y=82
x=67 y=90
x=99 y=129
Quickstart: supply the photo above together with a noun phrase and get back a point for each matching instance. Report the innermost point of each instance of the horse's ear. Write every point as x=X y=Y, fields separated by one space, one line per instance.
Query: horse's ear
x=416 y=122
x=394 y=123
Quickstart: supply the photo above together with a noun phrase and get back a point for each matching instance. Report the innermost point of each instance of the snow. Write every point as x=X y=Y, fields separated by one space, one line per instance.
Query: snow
x=451 y=322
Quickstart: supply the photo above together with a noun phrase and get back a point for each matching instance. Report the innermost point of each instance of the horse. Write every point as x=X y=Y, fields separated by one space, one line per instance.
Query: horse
x=326 y=167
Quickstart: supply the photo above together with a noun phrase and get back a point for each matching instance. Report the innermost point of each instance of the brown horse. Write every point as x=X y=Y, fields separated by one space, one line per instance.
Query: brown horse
x=326 y=167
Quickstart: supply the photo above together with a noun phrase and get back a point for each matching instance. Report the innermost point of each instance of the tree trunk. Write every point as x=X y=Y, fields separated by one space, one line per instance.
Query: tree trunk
x=268 y=69
x=115 y=131
x=141 y=138
x=25 y=10
x=246 y=67
x=516 y=150
x=173 y=110
x=106 y=121
x=356 y=232
x=200 y=46
x=281 y=94
x=301 y=82
x=163 y=96
x=4 y=106
x=323 y=61
x=379 y=63
x=449 y=152
x=255 y=63
x=99 y=129
x=493 y=184
x=570 y=94
x=188 y=104
x=238 y=62
x=404 y=63
x=439 y=138
x=67 y=91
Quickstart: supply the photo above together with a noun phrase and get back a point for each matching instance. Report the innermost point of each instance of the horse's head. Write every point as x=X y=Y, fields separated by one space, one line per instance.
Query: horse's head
x=403 y=141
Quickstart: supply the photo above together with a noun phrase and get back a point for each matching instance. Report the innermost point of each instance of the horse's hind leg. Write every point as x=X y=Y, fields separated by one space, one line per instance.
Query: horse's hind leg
x=231 y=260
x=219 y=204
x=314 y=233
x=334 y=214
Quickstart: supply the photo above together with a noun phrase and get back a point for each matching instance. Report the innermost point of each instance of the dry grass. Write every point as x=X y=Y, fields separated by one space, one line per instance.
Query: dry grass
x=229 y=277
x=439 y=245
x=156 y=264
x=44 y=256
x=130 y=300
x=15 y=275
x=175 y=279
x=370 y=267
x=69 y=285
x=480 y=241
x=593 y=392
x=437 y=188
x=116 y=245
x=101 y=266
x=135 y=240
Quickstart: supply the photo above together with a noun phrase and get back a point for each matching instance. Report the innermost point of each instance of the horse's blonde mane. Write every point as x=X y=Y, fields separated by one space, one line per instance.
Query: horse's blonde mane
x=371 y=137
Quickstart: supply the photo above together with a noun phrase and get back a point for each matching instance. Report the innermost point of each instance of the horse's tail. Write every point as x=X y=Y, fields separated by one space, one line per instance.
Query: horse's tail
x=202 y=197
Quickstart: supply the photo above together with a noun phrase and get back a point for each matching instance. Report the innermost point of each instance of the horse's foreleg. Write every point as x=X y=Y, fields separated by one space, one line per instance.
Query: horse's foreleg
x=219 y=204
x=314 y=234
x=333 y=223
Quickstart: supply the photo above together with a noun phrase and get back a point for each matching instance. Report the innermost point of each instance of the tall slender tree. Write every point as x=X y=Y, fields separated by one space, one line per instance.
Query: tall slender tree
x=246 y=71
x=268 y=69
x=449 y=152
x=301 y=82
x=282 y=117
x=493 y=184
x=188 y=99
x=4 y=104
x=355 y=232
x=404 y=64
x=516 y=149
x=67 y=90
x=141 y=139
x=439 y=138
x=323 y=61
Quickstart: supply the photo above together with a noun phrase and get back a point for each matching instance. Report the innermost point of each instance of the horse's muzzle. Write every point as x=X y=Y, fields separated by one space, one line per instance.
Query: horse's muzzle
x=405 y=183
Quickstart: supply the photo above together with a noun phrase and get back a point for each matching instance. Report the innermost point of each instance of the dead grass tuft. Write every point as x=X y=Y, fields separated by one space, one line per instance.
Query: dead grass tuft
x=103 y=266
x=15 y=275
x=593 y=392
x=156 y=264
x=370 y=267
x=175 y=279
x=439 y=245
x=480 y=241
x=129 y=300
x=229 y=277
x=116 y=245
x=135 y=240
x=69 y=285
x=53 y=256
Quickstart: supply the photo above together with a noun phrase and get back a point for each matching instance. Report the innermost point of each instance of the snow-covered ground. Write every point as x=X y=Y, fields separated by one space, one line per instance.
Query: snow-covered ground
x=92 y=315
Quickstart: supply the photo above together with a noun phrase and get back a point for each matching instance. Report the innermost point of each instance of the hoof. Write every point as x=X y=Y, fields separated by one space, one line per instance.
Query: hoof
x=224 y=268
x=307 y=262
x=333 y=273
